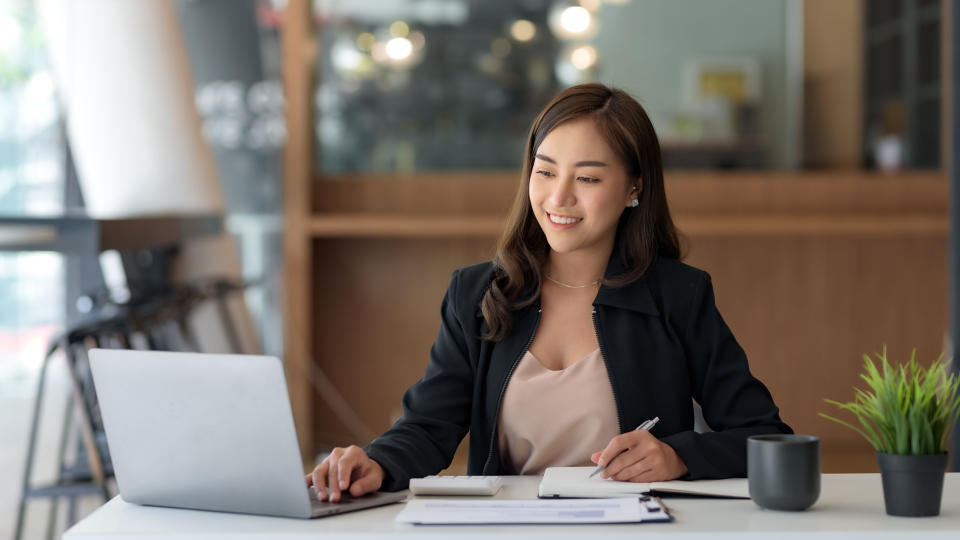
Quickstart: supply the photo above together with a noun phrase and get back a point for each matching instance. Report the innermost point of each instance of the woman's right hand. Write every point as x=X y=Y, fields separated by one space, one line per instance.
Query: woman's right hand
x=346 y=469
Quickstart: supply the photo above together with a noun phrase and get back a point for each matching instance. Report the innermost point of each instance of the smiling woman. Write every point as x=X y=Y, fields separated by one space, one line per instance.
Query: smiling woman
x=582 y=196
x=584 y=325
x=590 y=153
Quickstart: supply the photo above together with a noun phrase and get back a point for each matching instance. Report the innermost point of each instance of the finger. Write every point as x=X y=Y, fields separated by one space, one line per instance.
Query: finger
x=621 y=462
x=618 y=445
x=651 y=474
x=345 y=469
x=623 y=442
x=595 y=456
x=332 y=472
x=365 y=483
x=319 y=475
x=309 y=478
x=643 y=478
x=614 y=447
x=637 y=469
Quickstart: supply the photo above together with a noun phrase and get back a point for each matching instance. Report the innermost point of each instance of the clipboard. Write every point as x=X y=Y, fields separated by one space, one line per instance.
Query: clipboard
x=431 y=511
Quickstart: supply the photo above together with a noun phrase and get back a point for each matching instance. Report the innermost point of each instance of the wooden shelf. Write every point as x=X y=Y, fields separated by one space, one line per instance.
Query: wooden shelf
x=367 y=226
x=818 y=225
x=396 y=226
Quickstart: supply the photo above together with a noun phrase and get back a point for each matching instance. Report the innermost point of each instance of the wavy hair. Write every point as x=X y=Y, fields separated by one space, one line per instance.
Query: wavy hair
x=643 y=232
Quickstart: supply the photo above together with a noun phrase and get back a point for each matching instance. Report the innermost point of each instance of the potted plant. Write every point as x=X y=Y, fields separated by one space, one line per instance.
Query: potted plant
x=907 y=415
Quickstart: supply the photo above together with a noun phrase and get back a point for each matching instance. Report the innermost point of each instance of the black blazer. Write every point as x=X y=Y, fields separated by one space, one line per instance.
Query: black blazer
x=663 y=342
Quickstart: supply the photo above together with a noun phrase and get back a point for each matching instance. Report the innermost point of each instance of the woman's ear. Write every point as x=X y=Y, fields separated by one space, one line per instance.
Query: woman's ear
x=633 y=198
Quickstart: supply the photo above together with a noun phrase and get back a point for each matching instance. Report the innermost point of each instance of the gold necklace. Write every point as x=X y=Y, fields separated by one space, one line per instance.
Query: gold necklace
x=567 y=285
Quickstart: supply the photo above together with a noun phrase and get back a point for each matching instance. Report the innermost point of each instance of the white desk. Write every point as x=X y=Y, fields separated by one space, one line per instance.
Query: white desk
x=850 y=506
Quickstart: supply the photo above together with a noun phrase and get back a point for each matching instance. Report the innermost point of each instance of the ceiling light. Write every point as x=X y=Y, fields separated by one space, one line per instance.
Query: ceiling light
x=583 y=57
x=500 y=47
x=575 y=19
x=399 y=29
x=399 y=48
x=591 y=5
x=523 y=30
x=365 y=41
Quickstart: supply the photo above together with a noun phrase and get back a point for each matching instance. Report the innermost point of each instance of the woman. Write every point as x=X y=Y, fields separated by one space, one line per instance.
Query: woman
x=584 y=326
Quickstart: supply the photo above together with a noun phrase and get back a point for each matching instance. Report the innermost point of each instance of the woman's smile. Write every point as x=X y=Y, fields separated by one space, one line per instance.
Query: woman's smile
x=561 y=221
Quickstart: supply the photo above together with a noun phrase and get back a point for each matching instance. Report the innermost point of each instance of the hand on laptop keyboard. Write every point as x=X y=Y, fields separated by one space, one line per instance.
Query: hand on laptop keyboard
x=346 y=470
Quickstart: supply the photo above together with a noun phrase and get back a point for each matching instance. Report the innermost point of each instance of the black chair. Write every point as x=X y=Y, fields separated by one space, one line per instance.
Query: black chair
x=87 y=471
x=151 y=318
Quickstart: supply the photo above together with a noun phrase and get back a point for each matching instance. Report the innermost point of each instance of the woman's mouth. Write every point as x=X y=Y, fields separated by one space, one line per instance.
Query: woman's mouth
x=563 y=220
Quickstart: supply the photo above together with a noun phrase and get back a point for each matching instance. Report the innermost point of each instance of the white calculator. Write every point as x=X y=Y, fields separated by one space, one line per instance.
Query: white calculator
x=456 y=485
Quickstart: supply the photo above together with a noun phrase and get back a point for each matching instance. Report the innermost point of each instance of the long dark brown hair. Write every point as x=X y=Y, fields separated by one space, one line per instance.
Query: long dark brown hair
x=643 y=232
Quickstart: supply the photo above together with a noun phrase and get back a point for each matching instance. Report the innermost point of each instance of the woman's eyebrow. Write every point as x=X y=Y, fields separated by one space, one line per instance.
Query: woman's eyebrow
x=577 y=164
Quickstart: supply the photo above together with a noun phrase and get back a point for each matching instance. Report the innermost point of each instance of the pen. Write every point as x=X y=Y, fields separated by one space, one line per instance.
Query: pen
x=646 y=426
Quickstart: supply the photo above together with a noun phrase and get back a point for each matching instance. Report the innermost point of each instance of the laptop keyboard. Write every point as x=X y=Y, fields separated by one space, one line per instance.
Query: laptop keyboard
x=349 y=504
x=315 y=501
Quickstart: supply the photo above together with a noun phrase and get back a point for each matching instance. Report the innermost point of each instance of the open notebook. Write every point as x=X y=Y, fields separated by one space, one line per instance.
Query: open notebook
x=576 y=482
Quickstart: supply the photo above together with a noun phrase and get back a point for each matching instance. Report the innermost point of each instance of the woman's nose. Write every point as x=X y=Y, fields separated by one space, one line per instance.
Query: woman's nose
x=562 y=195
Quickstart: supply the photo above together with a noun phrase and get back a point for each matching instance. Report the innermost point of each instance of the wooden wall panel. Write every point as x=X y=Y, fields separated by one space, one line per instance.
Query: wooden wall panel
x=428 y=193
x=690 y=194
x=377 y=313
x=806 y=309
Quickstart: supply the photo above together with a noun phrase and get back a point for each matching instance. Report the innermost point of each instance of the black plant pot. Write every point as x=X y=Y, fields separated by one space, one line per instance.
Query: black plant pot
x=912 y=485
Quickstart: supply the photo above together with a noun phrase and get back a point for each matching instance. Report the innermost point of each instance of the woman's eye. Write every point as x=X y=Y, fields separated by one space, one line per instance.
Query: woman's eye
x=545 y=173
x=588 y=179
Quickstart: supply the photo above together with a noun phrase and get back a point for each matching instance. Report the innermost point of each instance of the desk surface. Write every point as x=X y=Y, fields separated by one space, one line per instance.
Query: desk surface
x=850 y=506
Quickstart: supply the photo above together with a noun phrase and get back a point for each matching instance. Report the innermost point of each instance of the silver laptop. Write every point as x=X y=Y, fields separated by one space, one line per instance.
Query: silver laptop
x=207 y=432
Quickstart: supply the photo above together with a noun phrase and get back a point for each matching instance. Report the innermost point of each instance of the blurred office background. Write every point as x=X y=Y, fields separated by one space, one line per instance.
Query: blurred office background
x=332 y=161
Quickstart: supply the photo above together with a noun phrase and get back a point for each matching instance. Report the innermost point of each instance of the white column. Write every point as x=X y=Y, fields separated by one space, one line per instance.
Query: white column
x=123 y=74
x=124 y=78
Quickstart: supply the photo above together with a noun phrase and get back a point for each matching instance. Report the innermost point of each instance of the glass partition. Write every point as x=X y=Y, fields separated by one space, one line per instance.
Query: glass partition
x=32 y=177
x=31 y=139
x=902 y=96
x=455 y=84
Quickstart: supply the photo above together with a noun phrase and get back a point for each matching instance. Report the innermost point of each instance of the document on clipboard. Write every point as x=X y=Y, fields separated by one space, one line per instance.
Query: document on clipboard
x=533 y=511
x=576 y=482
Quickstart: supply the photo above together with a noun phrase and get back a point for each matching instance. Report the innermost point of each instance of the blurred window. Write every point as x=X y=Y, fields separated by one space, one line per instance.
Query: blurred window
x=31 y=310
x=455 y=84
x=902 y=93
x=31 y=142
x=405 y=86
x=31 y=183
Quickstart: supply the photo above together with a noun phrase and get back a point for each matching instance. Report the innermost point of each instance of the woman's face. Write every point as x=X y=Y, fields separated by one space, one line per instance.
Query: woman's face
x=579 y=188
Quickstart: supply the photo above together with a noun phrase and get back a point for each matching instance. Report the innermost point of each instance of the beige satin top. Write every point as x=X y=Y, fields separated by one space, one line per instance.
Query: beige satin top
x=555 y=418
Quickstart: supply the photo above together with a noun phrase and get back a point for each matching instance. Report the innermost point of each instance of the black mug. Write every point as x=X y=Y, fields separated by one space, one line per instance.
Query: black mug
x=783 y=471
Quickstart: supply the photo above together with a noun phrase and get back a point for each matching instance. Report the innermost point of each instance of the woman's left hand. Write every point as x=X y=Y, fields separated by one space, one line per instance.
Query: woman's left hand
x=638 y=456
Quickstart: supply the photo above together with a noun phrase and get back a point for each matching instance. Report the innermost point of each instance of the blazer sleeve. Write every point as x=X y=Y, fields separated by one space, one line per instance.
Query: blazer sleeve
x=436 y=410
x=735 y=404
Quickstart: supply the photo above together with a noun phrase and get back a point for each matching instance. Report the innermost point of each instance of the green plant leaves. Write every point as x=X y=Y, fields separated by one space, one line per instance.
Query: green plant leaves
x=907 y=409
